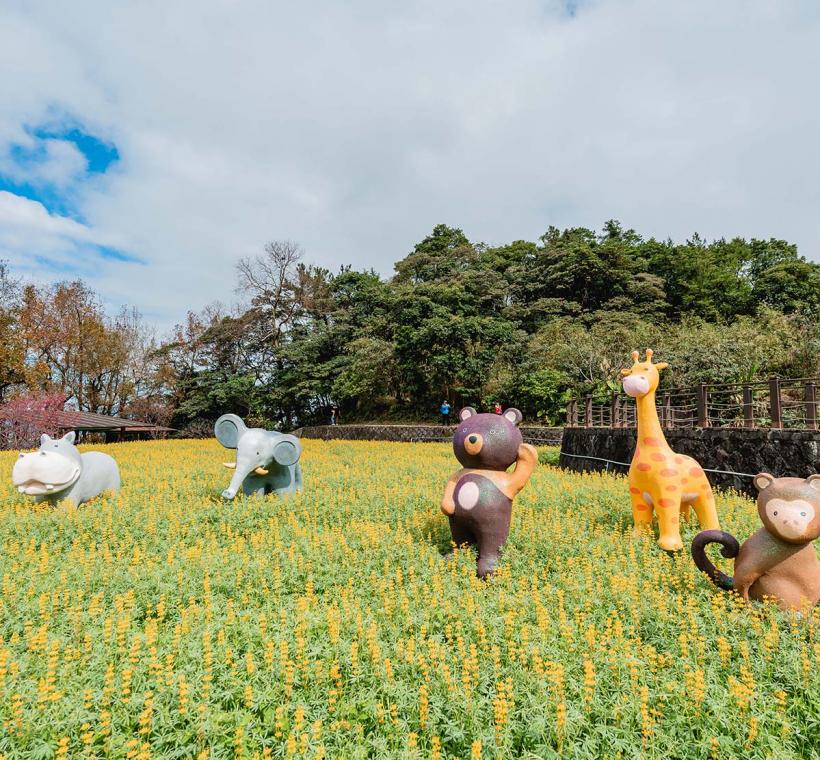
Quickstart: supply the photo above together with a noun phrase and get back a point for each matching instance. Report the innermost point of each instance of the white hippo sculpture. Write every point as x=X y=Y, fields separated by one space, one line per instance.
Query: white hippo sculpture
x=58 y=471
x=266 y=461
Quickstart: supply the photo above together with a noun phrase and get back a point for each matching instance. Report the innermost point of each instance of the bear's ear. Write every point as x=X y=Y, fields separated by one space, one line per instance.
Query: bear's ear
x=763 y=480
x=44 y=439
x=466 y=413
x=513 y=415
x=814 y=481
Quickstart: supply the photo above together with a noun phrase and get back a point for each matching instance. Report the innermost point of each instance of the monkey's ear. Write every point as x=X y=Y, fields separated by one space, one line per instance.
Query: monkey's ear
x=814 y=481
x=466 y=413
x=763 y=480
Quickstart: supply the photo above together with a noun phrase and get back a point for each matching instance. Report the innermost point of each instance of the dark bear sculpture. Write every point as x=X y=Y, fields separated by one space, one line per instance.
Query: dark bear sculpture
x=478 y=498
x=779 y=561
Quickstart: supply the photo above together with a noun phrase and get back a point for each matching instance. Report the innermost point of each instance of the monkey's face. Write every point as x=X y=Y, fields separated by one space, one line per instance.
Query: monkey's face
x=789 y=507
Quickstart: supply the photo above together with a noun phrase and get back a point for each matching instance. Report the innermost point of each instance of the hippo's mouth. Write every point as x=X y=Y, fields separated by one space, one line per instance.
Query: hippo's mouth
x=34 y=487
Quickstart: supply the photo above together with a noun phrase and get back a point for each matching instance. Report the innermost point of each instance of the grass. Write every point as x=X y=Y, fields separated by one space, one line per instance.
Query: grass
x=169 y=624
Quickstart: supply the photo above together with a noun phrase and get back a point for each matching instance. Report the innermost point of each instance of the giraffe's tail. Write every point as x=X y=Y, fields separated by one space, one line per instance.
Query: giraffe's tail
x=730 y=548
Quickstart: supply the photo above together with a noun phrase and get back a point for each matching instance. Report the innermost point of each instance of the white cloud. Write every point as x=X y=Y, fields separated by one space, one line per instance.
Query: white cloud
x=57 y=163
x=47 y=245
x=356 y=127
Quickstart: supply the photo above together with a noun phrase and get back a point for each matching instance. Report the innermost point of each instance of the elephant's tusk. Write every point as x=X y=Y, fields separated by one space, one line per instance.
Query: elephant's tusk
x=229 y=465
x=261 y=471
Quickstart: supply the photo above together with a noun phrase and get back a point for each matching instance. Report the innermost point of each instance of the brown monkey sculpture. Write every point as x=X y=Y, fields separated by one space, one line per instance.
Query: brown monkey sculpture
x=478 y=498
x=779 y=560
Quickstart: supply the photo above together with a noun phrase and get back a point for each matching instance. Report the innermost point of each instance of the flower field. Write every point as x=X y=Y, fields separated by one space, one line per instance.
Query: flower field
x=170 y=624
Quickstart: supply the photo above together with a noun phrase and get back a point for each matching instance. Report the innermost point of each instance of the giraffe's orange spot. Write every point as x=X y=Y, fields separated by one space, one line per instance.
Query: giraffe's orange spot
x=634 y=490
x=669 y=472
x=670 y=488
x=678 y=460
x=667 y=503
x=644 y=466
x=684 y=480
x=695 y=472
x=642 y=506
x=657 y=457
x=652 y=441
x=674 y=520
x=637 y=451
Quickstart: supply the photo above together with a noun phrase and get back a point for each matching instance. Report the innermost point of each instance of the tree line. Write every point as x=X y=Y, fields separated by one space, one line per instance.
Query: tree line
x=528 y=324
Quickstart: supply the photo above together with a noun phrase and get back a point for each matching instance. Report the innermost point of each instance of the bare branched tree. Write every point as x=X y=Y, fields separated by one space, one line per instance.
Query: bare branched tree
x=271 y=281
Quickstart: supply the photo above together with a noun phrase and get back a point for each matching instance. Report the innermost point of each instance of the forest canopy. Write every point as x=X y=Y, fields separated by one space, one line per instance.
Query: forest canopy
x=528 y=324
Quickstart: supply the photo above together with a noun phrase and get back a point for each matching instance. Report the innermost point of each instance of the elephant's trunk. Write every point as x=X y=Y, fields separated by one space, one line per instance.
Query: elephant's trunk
x=239 y=475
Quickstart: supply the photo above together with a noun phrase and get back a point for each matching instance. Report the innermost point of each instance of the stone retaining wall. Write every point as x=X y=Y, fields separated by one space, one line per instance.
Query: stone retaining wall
x=783 y=453
x=538 y=436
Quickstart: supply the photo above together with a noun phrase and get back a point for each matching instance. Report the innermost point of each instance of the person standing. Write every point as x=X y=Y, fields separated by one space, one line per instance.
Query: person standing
x=445 y=412
x=334 y=415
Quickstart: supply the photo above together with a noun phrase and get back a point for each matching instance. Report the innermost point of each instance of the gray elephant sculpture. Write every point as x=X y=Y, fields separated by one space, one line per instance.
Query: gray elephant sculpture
x=58 y=471
x=266 y=461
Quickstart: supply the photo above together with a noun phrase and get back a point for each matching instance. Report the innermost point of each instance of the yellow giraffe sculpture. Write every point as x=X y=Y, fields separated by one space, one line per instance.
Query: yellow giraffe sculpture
x=658 y=477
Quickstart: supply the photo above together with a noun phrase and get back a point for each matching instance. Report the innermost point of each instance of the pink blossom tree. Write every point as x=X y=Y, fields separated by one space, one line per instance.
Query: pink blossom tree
x=23 y=418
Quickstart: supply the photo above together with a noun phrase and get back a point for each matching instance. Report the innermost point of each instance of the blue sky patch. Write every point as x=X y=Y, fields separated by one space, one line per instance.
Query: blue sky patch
x=47 y=173
x=23 y=180
x=99 y=154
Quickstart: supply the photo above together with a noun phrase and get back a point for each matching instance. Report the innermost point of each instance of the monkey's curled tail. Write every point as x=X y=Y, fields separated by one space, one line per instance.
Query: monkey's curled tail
x=730 y=548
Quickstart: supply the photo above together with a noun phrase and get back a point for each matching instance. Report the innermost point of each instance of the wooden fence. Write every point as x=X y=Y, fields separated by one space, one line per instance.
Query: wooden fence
x=776 y=404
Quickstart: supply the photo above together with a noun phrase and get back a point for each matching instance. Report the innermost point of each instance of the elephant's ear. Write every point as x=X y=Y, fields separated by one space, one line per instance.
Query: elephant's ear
x=287 y=451
x=229 y=429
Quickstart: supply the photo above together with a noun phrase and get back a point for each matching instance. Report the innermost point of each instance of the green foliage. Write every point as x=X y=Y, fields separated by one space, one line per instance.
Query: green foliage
x=527 y=324
x=549 y=455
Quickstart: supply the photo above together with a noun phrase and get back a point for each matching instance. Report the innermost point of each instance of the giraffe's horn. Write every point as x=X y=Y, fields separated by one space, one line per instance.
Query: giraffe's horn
x=635 y=356
x=649 y=354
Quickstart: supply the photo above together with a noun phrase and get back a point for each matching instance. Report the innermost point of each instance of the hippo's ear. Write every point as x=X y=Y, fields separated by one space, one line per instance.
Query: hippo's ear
x=229 y=429
x=513 y=415
x=763 y=480
x=466 y=413
x=44 y=439
x=814 y=481
x=70 y=437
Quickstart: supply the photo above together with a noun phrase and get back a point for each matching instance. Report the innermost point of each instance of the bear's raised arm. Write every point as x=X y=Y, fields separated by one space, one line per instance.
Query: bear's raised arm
x=524 y=465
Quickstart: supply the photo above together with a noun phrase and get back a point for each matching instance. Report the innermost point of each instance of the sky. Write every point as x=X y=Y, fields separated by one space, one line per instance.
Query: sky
x=146 y=147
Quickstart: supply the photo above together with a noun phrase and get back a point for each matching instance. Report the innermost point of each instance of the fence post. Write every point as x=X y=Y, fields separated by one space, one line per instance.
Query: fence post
x=569 y=413
x=774 y=403
x=703 y=411
x=667 y=409
x=575 y=412
x=748 y=411
x=811 y=406
x=615 y=420
x=588 y=411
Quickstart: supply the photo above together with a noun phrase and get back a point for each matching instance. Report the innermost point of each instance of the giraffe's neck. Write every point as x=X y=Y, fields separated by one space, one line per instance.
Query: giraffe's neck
x=649 y=426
